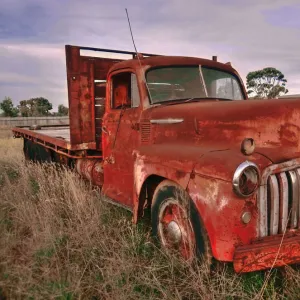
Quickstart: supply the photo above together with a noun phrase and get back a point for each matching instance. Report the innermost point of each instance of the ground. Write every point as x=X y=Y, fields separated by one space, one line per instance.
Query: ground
x=60 y=240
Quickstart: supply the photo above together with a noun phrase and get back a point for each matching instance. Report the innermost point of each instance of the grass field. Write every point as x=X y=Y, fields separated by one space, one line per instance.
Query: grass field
x=59 y=240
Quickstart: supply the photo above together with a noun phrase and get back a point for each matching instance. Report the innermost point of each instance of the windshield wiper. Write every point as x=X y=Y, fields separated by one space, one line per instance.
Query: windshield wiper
x=207 y=98
x=195 y=99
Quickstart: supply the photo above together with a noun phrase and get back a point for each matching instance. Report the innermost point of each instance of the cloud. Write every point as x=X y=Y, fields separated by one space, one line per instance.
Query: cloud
x=35 y=50
x=251 y=34
x=32 y=70
x=14 y=78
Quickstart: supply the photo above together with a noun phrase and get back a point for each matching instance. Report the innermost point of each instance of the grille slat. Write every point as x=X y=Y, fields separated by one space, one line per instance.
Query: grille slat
x=284 y=201
x=279 y=202
x=263 y=209
x=298 y=176
x=294 y=196
x=274 y=204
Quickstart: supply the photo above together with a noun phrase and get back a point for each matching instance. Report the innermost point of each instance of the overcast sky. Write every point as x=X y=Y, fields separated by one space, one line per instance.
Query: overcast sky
x=252 y=34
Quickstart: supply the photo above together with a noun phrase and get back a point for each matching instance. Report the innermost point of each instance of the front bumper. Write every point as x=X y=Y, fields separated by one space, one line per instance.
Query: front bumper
x=268 y=252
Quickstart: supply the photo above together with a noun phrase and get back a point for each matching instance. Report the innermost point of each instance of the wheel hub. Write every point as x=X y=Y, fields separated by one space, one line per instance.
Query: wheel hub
x=175 y=229
x=174 y=232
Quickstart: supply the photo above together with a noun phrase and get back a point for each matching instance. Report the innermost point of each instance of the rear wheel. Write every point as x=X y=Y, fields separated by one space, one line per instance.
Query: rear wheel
x=36 y=152
x=176 y=222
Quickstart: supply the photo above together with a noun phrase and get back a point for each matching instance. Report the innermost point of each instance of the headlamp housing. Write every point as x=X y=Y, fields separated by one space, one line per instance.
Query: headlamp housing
x=246 y=179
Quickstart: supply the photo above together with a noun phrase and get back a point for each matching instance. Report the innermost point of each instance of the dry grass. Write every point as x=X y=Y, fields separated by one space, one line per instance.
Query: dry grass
x=59 y=240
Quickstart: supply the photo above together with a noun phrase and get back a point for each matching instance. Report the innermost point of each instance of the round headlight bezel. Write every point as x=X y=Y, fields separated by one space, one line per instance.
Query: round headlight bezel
x=241 y=169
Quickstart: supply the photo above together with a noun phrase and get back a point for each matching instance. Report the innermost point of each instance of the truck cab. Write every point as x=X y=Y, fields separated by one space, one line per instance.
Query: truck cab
x=219 y=172
x=140 y=87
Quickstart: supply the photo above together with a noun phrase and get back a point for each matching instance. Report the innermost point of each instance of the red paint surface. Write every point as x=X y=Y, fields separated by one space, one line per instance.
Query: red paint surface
x=81 y=73
x=200 y=154
x=273 y=251
x=221 y=211
x=121 y=139
x=91 y=169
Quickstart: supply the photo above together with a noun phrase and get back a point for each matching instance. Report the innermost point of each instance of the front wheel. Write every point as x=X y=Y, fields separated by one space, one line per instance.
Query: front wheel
x=176 y=222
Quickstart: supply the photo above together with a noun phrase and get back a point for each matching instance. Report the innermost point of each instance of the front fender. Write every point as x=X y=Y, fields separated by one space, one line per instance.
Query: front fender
x=169 y=162
x=172 y=161
x=221 y=210
x=222 y=164
x=210 y=188
x=145 y=166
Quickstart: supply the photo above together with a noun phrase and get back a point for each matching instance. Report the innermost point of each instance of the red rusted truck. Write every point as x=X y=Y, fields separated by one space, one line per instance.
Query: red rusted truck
x=177 y=135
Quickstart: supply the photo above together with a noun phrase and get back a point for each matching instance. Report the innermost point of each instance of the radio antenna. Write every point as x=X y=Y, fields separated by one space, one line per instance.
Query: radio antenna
x=131 y=32
x=137 y=55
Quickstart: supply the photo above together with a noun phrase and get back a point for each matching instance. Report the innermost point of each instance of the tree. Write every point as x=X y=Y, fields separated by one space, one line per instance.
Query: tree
x=266 y=83
x=62 y=110
x=24 y=108
x=8 y=108
x=35 y=107
x=42 y=105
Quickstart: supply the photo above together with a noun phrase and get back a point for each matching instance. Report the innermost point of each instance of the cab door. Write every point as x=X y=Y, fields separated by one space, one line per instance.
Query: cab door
x=121 y=136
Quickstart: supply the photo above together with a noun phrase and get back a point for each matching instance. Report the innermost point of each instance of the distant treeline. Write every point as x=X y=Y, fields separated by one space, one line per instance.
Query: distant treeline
x=34 y=107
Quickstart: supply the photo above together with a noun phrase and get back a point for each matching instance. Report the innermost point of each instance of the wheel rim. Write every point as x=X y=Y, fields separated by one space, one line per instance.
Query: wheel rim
x=175 y=229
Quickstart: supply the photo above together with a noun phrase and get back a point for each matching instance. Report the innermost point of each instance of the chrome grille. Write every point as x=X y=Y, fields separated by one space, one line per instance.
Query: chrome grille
x=279 y=201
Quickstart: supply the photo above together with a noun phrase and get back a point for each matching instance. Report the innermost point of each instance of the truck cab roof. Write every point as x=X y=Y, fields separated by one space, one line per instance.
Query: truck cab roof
x=160 y=61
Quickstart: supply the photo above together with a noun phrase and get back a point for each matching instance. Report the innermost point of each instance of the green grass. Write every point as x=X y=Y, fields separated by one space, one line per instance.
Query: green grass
x=60 y=240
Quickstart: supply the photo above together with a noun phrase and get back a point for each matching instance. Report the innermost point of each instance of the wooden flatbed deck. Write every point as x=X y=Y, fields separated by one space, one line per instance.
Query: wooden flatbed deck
x=58 y=139
x=61 y=133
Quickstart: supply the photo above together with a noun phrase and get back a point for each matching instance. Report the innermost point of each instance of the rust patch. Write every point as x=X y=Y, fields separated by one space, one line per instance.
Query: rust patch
x=92 y=170
x=268 y=252
x=289 y=134
x=180 y=174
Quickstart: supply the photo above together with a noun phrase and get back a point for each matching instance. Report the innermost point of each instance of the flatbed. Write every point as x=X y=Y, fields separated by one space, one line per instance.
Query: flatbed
x=55 y=138
x=53 y=132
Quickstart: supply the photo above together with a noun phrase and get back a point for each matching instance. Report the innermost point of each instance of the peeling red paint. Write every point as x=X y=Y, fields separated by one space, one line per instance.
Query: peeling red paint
x=120 y=149
x=91 y=169
x=273 y=251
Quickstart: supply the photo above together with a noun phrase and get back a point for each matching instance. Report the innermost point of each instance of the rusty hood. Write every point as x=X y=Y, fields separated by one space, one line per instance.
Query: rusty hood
x=274 y=124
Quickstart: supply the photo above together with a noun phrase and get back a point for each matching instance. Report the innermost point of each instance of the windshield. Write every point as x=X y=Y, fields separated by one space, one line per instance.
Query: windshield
x=191 y=82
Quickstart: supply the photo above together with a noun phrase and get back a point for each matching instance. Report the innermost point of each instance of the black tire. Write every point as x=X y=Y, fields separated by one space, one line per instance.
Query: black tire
x=170 y=190
x=36 y=152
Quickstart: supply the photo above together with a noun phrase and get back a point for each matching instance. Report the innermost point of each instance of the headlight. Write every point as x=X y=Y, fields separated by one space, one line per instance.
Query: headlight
x=246 y=179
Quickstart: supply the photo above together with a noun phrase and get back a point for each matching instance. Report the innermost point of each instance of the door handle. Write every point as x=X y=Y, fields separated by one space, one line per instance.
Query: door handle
x=104 y=129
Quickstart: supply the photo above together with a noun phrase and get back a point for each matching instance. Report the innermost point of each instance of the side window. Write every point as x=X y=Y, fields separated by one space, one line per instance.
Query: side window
x=135 y=96
x=124 y=91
